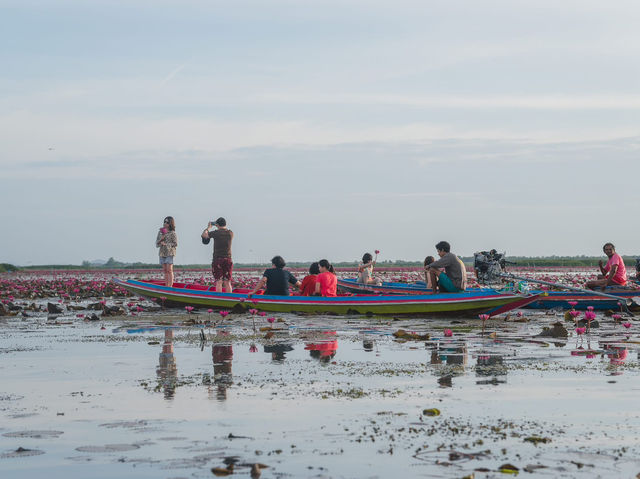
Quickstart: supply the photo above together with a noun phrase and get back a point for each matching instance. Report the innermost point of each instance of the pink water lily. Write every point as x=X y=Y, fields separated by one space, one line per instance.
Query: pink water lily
x=262 y=313
x=626 y=325
x=209 y=310
x=377 y=251
x=581 y=331
x=189 y=308
x=483 y=317
x=589 y=315
x=589 y=308
x=253 y=311
x=574 y=313
x=573 y=304
x=253 y=348
x=224 y=314
x=448 y=333
x=271 y=320
x=616 y=317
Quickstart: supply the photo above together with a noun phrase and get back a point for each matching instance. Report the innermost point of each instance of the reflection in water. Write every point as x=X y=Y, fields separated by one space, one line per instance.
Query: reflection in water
x=278 y=351
x=167 y=369
x=222 y=356
x=450 y=359
x=323 y=351
x=490 y=364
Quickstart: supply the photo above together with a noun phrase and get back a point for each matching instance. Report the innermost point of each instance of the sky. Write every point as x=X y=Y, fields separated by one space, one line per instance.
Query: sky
x=318 y=129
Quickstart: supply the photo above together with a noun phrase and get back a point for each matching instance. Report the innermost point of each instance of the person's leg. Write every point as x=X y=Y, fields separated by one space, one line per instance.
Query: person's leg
x=433 y=277
x=596 y=283
x=165 y=274
x=446 y=284
x=169 y=275
x=228 y=272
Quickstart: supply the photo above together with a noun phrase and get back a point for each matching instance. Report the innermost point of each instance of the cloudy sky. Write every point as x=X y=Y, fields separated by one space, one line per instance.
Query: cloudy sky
x=318 y=128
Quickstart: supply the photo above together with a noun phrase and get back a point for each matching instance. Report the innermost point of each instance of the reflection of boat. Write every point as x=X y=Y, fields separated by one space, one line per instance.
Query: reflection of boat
x=467 y=303
x=546 y=299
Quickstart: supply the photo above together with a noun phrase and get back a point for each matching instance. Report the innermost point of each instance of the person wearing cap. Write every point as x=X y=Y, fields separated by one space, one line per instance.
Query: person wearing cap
x=221 y=264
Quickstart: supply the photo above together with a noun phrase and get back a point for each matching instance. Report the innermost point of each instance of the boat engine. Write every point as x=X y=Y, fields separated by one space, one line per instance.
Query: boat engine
x=489 y=266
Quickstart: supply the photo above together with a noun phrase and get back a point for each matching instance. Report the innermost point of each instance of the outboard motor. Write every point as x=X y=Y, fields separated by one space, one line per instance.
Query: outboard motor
x=489 y=266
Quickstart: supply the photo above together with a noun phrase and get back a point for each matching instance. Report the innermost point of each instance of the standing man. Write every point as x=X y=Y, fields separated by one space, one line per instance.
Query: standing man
x=454 y=277
x=221 y=265
x=614 y=272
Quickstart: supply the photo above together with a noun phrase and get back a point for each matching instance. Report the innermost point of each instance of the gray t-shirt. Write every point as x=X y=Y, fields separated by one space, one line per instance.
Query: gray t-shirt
x=453 y=269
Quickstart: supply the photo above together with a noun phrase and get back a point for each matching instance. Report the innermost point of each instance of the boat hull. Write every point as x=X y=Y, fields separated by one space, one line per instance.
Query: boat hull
x=545 y=300
x=460 y=304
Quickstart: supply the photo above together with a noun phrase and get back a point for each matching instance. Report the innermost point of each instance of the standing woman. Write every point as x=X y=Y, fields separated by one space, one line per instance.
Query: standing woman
x=326 y=282
x=167 y=241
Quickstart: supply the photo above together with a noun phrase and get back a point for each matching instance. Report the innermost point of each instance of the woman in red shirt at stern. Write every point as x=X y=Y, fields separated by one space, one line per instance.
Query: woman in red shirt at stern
x=326 y=282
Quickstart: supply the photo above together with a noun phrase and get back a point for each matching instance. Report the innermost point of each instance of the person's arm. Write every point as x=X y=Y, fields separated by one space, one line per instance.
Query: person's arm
x=612 y=273
x=206 y=235
x=317 y=290
x=441 y=263
x=602 y=269
x=261 y=284
x=159 y=239
x=172 y=239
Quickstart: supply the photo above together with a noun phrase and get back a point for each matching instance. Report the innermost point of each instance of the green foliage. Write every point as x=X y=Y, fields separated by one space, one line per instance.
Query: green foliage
x=7 y=268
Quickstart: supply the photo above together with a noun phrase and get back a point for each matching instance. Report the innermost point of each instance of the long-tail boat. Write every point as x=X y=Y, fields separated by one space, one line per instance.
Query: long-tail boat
x=546 y=299
x=471 y=303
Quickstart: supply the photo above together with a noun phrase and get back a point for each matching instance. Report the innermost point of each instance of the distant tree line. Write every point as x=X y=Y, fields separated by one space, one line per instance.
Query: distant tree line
x=528 y=261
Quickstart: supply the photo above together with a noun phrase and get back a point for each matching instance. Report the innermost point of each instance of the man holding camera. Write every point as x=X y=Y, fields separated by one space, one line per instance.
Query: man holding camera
x=221 y=265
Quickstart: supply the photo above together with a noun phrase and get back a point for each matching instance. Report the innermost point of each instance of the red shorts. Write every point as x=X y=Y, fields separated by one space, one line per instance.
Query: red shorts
x=222 y=268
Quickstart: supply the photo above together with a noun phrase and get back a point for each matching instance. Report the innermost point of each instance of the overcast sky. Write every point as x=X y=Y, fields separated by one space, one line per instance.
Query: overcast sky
x=318 y=128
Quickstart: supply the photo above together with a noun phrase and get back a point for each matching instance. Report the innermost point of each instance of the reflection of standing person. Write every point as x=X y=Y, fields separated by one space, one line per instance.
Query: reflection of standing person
x=167 y=241
x=221 y=265
x=167 y=369
x=222 y=355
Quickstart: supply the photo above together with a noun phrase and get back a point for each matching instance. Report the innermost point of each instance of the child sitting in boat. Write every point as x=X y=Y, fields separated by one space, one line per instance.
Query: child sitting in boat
x=365 y=269
x=427 y=277
x=308 y=286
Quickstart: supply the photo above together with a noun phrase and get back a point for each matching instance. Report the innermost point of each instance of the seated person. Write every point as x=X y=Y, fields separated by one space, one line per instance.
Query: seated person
x=308 y=286
x=276 y=279
x=427 y=277
x=454 y=277
x=637 y=278
x=365 y=270
x=614 y=272
x=326 y=282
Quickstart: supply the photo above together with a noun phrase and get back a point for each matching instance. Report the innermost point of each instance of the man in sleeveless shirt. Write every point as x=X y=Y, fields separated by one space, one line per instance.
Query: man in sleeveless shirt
x=221 y=265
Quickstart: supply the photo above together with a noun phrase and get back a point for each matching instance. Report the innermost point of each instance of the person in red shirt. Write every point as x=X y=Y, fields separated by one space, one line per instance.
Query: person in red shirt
x=614 y=272
x=308 y=286
x=326 y=282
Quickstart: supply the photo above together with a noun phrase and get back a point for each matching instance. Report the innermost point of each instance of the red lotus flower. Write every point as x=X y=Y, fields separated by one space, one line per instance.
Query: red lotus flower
x=253 y=348
x=626 y=325
x=224 y=314
x=448 y=333
x=377 y=251
x=271 y=320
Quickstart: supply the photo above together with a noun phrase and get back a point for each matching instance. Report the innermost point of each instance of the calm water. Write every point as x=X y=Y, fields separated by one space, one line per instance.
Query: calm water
x=322 y=397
